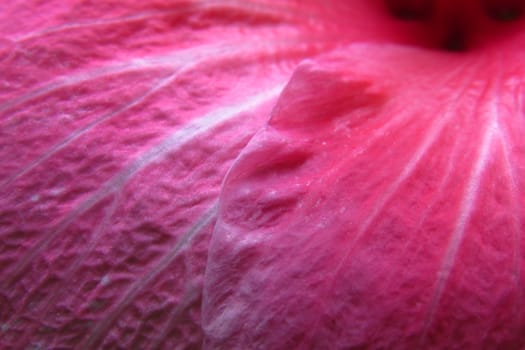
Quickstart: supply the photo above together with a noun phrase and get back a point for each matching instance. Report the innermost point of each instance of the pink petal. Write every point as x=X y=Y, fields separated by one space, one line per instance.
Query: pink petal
x=381 y=207
x=118 y=123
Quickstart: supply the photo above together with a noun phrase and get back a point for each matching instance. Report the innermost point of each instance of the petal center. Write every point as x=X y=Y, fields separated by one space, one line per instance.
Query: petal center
x=460 y=25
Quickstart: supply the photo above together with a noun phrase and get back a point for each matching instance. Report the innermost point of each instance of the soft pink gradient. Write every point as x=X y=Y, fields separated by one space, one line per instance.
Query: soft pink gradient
x=262 y=175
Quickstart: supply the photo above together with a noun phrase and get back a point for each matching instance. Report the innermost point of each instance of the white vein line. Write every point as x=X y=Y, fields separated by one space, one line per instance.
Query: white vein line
x=430 y=138
x=504 y=136
x=79 y=132
x=92 y=23
x=518 y=234
x=429 y=210
x=466 y=208
x=103 y=327
x=93 y=240
x=158 y=86
x=377 y=134
x=443 y=183
x=391 y=123
x=147 y=15
x=169 y=144
x=191 y=295
x=172 y=60
x=444 y=180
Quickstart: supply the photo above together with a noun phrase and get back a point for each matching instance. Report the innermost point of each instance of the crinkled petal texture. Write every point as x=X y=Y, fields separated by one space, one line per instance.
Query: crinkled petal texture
x=380 y=207
x=118 y=122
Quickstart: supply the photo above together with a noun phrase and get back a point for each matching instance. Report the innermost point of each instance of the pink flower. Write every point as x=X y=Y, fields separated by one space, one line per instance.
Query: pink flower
x=262 y=174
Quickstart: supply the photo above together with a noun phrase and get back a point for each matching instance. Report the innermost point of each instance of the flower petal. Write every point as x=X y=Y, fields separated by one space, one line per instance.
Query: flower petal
x=118 y=121
x=380 y=207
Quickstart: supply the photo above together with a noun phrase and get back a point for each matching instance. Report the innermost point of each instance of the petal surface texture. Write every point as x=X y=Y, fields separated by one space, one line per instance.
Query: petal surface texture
x=229 y=174
x=381 y=207
x=118 y=122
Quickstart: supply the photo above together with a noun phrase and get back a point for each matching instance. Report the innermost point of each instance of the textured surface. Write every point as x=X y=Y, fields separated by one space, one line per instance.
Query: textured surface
x=380 y=206
x=356 y=220
x=118 y=123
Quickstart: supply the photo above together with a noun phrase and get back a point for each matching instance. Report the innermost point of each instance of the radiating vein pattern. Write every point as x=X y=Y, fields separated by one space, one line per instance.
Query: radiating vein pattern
x=466 y=208
x=117 y=125
x=237 y=174
x=171 y=143
x=98 y=332
x=405 y=223
x=184 y=67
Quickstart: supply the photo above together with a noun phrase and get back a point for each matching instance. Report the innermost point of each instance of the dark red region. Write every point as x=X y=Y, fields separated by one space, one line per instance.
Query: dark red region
x=460 y=25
